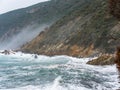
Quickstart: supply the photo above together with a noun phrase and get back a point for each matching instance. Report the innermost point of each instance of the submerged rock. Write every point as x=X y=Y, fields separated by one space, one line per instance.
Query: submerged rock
x=103 y=60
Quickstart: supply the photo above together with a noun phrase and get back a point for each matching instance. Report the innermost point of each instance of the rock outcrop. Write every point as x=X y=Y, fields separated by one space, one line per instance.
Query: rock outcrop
x=103 y=60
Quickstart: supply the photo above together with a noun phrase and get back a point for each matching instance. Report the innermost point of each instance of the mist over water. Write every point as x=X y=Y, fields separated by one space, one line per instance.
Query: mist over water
x=25 y=35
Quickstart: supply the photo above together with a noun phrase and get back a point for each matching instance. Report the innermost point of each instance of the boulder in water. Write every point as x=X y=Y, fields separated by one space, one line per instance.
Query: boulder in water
x=35 y=56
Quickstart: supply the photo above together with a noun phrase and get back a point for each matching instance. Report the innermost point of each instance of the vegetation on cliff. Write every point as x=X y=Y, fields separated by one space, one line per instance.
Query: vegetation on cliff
x=13 y=22
x=85 y=31
x=114 y=6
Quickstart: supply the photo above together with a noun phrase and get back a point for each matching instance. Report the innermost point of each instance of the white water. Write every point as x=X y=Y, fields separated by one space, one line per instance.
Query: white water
x=23 y=72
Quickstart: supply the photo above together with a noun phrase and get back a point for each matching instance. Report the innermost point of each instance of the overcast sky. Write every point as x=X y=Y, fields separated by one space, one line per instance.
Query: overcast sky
x=8 y=5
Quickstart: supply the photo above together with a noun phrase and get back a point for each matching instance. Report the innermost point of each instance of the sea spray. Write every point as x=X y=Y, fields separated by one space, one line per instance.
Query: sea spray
x=21 y=71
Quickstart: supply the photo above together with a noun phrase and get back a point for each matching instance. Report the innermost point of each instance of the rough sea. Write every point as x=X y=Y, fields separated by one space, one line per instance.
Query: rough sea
x=21 y=71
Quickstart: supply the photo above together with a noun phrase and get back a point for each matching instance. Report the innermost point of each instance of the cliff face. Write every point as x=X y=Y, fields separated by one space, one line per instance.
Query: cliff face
x=87 y=30
x=12 y=23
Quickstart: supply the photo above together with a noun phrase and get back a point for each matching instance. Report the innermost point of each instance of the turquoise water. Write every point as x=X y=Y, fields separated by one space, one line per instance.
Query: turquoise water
x=23 y=72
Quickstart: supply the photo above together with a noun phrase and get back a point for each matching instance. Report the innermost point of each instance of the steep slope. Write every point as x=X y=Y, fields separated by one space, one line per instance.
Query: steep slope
x=40 y=13
x=87 y=30
x=48 y=12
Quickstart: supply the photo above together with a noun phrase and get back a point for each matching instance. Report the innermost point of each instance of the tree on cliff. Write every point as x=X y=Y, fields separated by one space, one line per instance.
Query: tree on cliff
x=114 y=6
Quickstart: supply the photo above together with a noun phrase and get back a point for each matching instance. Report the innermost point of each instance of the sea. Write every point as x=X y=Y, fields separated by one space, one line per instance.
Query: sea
x=20 y=71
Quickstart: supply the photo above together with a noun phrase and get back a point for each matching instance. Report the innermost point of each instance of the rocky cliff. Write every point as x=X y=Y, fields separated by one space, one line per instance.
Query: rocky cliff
x=12 y=23
x=87 y=30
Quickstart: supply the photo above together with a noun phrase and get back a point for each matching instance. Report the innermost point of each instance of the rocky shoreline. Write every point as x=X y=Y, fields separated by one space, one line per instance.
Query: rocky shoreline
x=84 y=32
x=105 y=59
x=102 y=59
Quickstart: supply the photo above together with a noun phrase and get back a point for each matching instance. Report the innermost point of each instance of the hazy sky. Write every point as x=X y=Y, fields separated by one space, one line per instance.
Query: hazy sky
x=8 y=5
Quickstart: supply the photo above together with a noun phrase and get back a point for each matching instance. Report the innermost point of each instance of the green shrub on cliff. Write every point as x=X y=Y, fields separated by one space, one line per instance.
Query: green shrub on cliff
x=85 y=30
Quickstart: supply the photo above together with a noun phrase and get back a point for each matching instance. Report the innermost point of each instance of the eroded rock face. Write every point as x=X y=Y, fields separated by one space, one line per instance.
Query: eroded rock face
x=103 y=60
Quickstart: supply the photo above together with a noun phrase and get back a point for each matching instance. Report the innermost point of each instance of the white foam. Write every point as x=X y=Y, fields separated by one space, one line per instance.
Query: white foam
x=107 y=72
x=53 y=86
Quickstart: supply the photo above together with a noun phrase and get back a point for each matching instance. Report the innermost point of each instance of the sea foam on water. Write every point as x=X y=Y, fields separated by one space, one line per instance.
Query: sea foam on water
x=19 y=71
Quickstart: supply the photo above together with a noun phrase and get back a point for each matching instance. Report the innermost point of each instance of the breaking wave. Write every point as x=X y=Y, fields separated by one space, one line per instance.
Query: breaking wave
x=21 y=71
